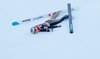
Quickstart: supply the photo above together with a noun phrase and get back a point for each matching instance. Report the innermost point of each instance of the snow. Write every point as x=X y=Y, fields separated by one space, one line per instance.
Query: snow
x=16 y=42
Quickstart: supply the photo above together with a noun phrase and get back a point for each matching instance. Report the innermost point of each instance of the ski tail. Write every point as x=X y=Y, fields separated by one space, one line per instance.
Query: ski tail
x=70 y=18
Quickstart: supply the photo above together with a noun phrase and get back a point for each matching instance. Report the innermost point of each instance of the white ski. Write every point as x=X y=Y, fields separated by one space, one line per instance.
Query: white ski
x=39 y=17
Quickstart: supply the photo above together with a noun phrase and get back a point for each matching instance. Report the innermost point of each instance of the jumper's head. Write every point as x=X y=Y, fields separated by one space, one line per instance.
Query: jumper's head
x=34 y=30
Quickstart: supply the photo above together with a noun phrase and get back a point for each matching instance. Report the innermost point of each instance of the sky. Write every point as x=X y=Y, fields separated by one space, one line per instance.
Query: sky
x=16 y=42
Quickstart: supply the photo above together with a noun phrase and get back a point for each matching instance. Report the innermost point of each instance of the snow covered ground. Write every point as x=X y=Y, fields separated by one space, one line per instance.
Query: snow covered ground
x=16 y=42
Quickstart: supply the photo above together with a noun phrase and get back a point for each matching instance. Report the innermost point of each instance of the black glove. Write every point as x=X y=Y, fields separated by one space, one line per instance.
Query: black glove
x=59 y=26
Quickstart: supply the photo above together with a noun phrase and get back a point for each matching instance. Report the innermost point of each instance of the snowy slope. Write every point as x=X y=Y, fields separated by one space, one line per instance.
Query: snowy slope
x=18 y=43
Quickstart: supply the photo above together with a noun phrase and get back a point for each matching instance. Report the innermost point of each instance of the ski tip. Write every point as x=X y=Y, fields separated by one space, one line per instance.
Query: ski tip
x=71 y=32
x=69 y=3
x=15 y=23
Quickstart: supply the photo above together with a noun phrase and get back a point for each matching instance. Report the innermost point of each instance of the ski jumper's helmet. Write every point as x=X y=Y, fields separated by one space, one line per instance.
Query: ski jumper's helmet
x=34 y=30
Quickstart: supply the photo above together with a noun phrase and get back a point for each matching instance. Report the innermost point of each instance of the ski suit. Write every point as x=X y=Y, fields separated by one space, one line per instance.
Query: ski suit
x=51 y=23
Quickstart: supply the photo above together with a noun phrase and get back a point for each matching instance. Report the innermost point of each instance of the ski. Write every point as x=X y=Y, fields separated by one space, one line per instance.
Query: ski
x=39 y=17
x=70 y=18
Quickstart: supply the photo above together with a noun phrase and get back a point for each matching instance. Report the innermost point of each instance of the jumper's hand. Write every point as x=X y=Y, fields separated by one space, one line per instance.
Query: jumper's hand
x=55 y=15
x=59 y=26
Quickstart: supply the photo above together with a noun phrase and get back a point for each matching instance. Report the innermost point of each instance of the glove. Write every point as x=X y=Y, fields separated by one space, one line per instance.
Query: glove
x=59 y=26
